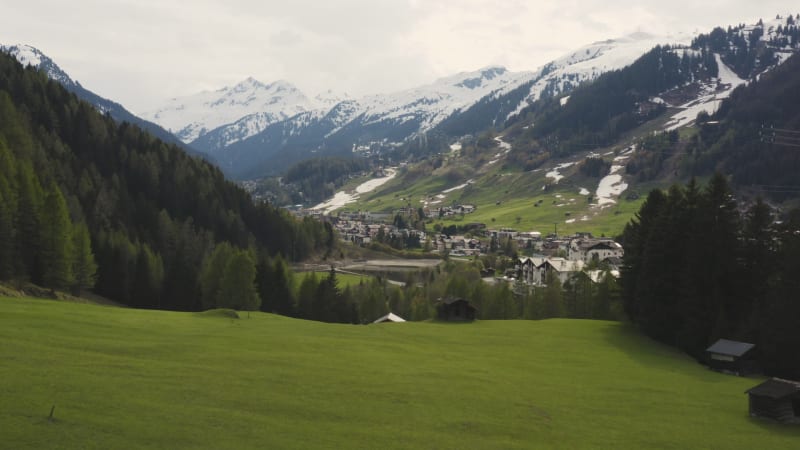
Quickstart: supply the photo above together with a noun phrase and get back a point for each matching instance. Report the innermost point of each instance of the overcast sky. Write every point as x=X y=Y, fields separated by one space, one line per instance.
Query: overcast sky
x=141 y=52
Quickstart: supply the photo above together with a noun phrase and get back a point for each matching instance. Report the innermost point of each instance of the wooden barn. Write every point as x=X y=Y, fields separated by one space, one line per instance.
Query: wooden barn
x=776 y=399
x=454 y=309
x=731 y=357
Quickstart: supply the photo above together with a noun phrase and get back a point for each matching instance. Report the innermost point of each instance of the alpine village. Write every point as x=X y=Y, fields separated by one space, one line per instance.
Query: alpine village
x=603 y=252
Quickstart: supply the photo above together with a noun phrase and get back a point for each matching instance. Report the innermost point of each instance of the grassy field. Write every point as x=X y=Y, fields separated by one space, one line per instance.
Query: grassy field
x=123 y=378
x=343 y=279
x=513 y=199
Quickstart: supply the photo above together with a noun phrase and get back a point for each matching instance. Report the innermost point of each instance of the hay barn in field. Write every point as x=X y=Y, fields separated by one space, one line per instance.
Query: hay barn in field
x=776 y=399
x=732 y=357
x=455 y=309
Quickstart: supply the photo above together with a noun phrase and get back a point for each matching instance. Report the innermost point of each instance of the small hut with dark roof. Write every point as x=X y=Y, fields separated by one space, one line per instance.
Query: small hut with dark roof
x=776 y=399
x=455 y=309
x=731 y=357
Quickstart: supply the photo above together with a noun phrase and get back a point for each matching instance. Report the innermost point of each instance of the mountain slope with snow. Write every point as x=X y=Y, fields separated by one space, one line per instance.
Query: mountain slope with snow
x=589 y=62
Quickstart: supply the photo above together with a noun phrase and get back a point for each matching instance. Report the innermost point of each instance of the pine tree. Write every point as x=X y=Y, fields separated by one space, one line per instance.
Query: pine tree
x=553 y=301
x=305 y=296
x=6 y=233
x=84 y=267
x=27 y=225
x=274 y=281
x=56 y=250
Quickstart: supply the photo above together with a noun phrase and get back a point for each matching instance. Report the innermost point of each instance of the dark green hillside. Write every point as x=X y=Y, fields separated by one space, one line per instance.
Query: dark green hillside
x=758 y=137
x=153 y=213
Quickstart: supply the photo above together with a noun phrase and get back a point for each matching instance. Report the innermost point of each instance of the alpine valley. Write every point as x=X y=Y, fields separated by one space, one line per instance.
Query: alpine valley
x=564 y=244
x=612 y=117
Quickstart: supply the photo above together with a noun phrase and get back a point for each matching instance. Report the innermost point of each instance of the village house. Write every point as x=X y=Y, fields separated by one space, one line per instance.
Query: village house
x=591 y=249
x=563 y=269
x=535 y=270
x=528 y=270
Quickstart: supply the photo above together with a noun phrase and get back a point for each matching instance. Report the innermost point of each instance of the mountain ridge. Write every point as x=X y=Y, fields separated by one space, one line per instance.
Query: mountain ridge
x=455 y=105
x=29 y=55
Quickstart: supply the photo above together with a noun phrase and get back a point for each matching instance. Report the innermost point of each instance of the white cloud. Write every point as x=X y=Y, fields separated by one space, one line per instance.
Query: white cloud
x=140 y=52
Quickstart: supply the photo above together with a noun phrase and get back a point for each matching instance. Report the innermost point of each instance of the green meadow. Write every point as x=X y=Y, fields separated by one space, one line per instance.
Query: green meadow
x=123 y=378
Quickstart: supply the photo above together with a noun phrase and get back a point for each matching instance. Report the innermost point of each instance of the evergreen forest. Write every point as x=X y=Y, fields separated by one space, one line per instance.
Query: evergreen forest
x=89 y=203
x=697 y=268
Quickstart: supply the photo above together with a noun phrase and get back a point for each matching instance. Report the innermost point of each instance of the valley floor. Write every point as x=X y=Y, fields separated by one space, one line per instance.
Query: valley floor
x=122 y=378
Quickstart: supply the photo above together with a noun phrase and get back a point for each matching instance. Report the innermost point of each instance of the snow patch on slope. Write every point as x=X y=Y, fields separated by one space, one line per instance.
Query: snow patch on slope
x=343 y=198
x=711 y=98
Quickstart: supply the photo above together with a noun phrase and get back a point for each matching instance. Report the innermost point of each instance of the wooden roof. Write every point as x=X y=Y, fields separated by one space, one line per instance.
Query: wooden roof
x=730 y=348
x=776 y=388
x=391 y=317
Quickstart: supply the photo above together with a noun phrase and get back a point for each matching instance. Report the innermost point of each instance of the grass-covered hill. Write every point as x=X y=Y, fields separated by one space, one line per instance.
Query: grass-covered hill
x=123 y=378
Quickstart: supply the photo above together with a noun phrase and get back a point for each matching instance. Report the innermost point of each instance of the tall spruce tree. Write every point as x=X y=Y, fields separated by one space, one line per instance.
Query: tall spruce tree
x=56 y=241
x=84 y=267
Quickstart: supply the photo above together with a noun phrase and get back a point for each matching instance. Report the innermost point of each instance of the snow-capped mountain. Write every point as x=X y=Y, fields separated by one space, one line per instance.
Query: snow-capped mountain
x=460 y=104
x=252 y=105
x=28 y=55
x=590 y=61
x=31 y=56
x=430 y=105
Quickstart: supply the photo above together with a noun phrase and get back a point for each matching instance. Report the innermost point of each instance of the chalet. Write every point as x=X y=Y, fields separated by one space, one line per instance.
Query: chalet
x=562 y=268
x=776 y=399
x=391 y=317
x=731 y=357
x=587 y=249
x=529 y=269
x=454 y=309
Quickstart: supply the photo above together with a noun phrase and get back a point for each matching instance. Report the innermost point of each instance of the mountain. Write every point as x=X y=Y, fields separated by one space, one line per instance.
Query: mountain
x=250 y=106
x=553 y=79
x=461 y=104
x=28 y=55
x=584 y=160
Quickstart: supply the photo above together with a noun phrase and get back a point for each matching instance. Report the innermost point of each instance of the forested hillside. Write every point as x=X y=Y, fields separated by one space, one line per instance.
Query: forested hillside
x=597 y=114
x=697 y=269
x=86 y=201
x=755 y=135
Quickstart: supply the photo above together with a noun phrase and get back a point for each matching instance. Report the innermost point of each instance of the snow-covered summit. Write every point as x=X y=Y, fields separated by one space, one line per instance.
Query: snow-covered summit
x=29 y=55
x=591 y=61
x=192 y=116
x=432 y=103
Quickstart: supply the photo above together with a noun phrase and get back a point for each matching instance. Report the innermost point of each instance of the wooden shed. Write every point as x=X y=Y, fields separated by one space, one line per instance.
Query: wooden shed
x=455 y=309
x=776 y=399
x=731 y=357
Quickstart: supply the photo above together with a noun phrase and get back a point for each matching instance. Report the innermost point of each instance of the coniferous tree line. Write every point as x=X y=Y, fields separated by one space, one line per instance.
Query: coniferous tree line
x=85 y=201
x=320 y=297
x=318 y=178
x=698 y=269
